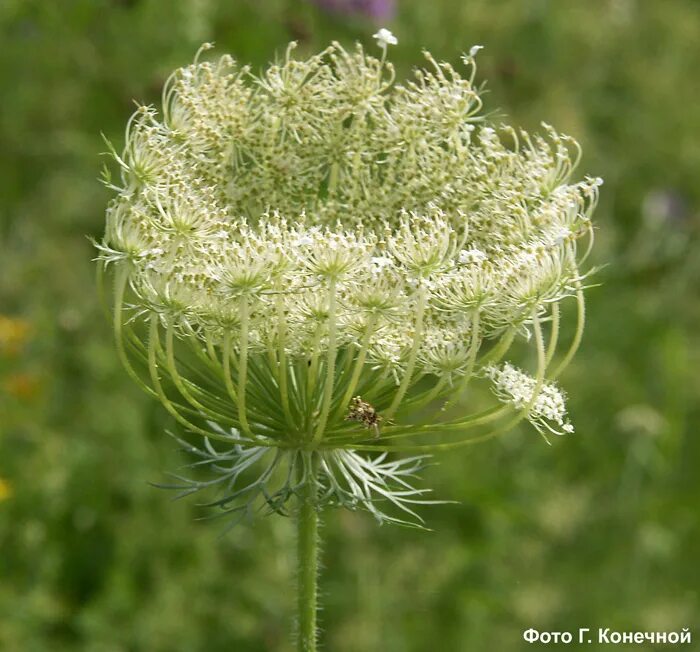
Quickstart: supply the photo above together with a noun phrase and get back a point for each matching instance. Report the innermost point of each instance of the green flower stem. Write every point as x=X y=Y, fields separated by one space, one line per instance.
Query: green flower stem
x=333 y=178
x=282 y=368
x=342 y=438
x=261 y=392
x=119 y=290
x=227 y=368
x=427 y=448
x=495 y=355
x=312 y=375
x=554 y=335
x=211 y=351
x=580 y=323
x=243 y=368
x=478 y=419
x=473 y=350
x=161 y=364
x=417 y=338
x=521 y=414
x=330 y=367
x=359 y=366
x=591 y=240
x=153 y=347
x=220 y=405
x=417 y=402
x=307 y=564
x=272 y=361
x=174 y=374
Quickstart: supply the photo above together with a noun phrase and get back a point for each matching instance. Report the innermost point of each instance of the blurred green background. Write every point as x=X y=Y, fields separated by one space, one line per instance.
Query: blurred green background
x=601 y=529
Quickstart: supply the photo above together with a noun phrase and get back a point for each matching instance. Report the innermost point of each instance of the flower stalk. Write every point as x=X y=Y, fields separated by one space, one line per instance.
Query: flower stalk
x=307 y=564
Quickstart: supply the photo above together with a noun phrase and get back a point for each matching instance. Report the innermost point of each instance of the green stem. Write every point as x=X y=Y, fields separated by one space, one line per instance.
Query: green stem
x=554 y=335
x=495 y=355
x=509 y=425
x=359 y=365
x=417 y=402
x=227 y=368
x=153 y=349
x=473 y=350
x=333 y=179
x=307 y=565
x=174 y=374
x=399 y=432
x=580 y=323
x=417 y=339
x=243 y=368
x=312 y=376
x=330 y=366
x=119 y=291
x=282 y=356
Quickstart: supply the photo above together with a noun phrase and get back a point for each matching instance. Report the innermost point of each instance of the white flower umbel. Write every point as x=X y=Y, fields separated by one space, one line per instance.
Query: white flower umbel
x=312 y=265
x=546 y=410
x=282 y=244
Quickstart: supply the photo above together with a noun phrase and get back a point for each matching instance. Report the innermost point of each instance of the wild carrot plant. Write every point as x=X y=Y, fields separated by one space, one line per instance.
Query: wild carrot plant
x=312 y=267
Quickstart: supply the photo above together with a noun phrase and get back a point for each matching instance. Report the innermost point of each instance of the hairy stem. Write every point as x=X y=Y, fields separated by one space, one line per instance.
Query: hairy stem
x=307 y=564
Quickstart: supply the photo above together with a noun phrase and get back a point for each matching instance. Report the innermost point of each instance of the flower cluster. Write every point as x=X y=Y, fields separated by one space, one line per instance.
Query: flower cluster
x=284 y=243
x=548 y=408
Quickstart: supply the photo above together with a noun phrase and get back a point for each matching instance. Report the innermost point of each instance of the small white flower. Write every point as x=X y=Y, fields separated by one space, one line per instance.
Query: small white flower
x=385 y=37
x=473 y=255
x=304 y=241
x=473 y=51
x=379 y=263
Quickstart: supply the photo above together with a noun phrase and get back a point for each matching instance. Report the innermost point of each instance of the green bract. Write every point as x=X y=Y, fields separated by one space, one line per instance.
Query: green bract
x=318 y=233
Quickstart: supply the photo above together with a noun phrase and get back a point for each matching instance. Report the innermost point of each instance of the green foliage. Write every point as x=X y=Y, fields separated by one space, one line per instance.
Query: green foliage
x=599 y=529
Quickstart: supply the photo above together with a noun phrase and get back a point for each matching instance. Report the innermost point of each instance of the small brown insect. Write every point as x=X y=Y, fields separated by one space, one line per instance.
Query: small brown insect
x=363 y=412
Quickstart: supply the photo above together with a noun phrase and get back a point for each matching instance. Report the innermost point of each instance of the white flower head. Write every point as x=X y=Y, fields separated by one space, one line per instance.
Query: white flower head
x=378 y=249
x=385 y=38
x=547 y=411
x=474 y=50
